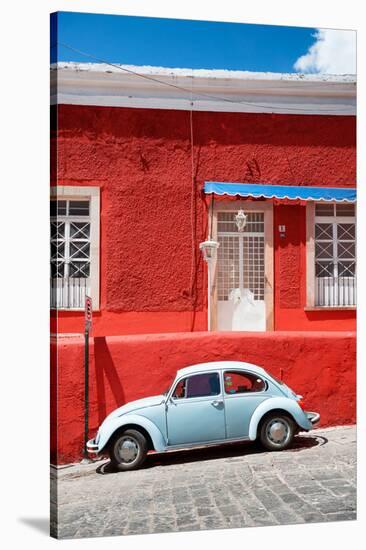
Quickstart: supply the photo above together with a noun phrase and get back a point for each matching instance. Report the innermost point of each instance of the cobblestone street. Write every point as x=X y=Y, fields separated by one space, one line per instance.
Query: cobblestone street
x=236 y=485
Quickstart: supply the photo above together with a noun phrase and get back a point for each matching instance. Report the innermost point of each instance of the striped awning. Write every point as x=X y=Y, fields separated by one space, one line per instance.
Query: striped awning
x=290 y=192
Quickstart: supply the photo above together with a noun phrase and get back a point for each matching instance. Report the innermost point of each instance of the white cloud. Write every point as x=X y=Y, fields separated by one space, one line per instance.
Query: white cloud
x=333 y=52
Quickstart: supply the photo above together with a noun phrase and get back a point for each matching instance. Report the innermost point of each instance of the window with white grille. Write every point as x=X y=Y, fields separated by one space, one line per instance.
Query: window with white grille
x=240 y=255
x=335 y=255
x=70 y=252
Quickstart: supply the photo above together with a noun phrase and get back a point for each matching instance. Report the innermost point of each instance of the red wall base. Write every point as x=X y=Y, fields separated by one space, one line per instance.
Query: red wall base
x=156 y=322
x=319 y=366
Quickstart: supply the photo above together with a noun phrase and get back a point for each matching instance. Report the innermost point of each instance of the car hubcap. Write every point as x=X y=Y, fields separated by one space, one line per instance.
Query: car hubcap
x=278 y=431
x=128 y=449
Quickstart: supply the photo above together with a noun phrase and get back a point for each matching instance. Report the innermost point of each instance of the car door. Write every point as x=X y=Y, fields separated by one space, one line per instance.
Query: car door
x=243 y=392
x=195 y=410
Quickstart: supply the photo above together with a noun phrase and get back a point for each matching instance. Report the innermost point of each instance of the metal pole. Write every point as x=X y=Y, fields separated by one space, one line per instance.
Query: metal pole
x=86 y=389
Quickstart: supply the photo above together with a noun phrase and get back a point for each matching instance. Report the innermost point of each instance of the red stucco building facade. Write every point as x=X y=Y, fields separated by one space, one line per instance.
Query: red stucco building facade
x=140 y=153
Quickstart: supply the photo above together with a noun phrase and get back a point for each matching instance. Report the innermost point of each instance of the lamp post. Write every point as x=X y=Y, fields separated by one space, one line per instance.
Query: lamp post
x=208 y=249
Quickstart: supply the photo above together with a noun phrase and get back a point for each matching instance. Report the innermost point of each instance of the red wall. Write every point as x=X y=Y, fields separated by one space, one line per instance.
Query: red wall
x=319 y=366
x=290 y=278
x=152 y=278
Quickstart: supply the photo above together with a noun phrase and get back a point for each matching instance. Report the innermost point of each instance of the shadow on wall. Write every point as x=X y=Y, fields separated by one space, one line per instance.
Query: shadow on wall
x=105 y=369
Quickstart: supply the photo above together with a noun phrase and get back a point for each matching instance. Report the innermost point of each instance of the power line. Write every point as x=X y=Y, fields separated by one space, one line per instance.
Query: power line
x=169 y=84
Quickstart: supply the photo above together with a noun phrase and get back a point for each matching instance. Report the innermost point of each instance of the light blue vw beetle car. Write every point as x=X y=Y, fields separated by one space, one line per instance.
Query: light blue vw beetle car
x=207 y=404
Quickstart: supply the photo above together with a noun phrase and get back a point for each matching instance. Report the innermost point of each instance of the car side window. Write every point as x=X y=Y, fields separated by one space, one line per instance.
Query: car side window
x=180 y=390
x=242 y=382
x=199 y=385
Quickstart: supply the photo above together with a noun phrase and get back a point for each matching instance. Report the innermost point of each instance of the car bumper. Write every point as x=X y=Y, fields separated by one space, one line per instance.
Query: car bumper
x=314 y=417
x=92 y=447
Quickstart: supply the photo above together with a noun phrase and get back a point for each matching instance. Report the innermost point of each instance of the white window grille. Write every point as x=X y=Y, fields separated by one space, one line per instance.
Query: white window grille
x=335 y=255
x=240 y=255
x=70 y=253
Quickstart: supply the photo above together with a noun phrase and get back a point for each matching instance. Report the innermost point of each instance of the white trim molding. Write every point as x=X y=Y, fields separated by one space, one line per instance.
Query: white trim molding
x=93 y=194
x=100 y=84
x=310 y=254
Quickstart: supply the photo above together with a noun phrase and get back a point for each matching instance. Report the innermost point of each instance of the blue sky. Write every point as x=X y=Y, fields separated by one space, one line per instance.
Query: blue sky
x=179 y=43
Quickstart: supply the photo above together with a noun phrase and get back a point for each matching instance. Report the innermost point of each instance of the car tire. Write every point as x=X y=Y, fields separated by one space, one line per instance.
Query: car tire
x=276 y=432
x=128 y=450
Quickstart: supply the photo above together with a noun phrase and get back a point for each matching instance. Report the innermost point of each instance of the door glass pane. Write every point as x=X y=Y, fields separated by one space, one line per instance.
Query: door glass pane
x=203 y=385
x=57 y=270
x=323 y=231
x=240 y=382
x=79 y=249
x=346 y=231
x=324 y=269
x=347 y=269
x=79 y=208
x=79 y=230
x=226 y=222
x=79 y=269
x=346 y=250
x=57 y=208
x=346 y=210
x=58 y=250
x=57 y=230
x=324 y=209
x=323 y=250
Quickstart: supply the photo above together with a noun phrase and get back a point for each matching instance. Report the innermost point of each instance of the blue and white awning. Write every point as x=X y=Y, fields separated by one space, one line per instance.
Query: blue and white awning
x=291 y=192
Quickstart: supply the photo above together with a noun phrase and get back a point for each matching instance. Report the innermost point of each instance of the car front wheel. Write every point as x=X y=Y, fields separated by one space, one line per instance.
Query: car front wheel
x=128 y=450
x=277 y=432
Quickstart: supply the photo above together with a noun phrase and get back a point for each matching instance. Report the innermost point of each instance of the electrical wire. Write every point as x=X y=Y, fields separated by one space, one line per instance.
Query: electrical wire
x=193 y=200
x=193 y=294
x=170 y=85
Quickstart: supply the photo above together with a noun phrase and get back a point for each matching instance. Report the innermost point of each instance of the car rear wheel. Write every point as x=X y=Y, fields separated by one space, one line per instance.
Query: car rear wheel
x=277 y=432
x=128 y=450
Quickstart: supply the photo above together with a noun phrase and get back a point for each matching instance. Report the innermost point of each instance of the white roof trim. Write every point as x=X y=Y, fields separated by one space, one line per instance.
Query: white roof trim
x=234 y=91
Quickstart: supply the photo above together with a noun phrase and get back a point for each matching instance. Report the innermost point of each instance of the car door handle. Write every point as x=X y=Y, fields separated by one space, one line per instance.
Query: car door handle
x=217 y=402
